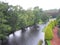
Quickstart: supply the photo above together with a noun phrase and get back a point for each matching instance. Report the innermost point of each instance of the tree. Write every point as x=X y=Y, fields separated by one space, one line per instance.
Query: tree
x=36 y=12
x=44 y=17
x=58 y=20
x=26 y=19
x=3 y=27
x=36 y=17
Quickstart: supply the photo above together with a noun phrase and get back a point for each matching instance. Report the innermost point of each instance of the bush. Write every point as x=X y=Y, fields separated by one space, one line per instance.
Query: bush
x=40 y=42
x=48 y=33
x=48 y=30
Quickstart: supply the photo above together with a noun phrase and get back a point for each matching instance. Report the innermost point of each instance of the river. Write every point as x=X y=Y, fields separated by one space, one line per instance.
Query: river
x=29 y=37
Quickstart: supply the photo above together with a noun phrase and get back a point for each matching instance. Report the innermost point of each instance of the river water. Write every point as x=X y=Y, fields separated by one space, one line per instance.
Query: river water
x=29 y=37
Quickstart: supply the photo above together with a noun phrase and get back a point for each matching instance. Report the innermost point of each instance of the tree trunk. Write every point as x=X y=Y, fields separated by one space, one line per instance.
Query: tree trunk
x=2 y=41
x=34 y=27
x=23 y=29
x=14 y=29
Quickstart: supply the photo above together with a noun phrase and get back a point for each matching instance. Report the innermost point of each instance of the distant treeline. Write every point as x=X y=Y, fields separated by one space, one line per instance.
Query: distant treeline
x=52 y=12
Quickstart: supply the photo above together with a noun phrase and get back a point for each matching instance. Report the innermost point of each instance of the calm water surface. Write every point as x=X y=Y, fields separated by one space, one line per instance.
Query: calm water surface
x=29 y=37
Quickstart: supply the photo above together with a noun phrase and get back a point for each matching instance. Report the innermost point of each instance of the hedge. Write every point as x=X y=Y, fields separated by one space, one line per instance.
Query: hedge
x=48 y=30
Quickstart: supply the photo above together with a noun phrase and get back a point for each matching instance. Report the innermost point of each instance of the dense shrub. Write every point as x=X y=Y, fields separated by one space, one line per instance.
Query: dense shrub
x=48 y=33
x=48 y=30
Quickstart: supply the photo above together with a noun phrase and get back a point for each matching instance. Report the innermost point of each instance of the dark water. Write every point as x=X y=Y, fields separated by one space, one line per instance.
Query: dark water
x=29 y=37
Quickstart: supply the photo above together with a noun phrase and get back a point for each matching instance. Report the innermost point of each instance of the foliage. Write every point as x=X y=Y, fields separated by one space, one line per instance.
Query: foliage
x=40 y=42
x=48 y=30
x=48 y=33
x=48 y=41
x=58 y=20
x=40 y=15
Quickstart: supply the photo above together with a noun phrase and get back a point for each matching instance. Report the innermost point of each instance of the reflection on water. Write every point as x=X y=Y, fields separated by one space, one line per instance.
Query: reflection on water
x=30 y=37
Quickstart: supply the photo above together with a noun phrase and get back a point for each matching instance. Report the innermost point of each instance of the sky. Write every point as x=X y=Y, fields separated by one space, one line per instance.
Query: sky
x=44 y=4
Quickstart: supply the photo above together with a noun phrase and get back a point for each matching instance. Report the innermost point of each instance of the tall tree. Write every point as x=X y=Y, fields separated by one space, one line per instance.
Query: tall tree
x=3 y=26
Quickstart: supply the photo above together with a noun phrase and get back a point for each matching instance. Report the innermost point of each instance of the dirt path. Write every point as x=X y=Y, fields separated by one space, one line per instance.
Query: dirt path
x=55 y=40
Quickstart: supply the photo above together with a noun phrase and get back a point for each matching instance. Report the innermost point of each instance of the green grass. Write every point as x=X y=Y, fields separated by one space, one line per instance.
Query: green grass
x=48 y=41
